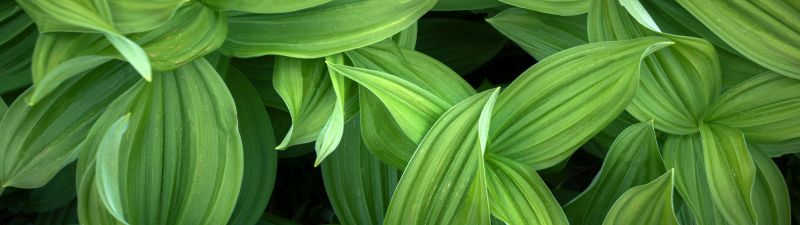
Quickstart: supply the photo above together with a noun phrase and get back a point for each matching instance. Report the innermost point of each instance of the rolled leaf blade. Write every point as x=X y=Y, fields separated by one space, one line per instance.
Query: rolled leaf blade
x=650 y=203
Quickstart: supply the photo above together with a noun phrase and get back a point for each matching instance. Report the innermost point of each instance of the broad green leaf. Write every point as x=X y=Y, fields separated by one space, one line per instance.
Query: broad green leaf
x=59 y=56
x=730 y=172
x=407 y=38
x=358 y=185
x=330 y=28
x=107 y=168
x=17 y=38
x=539 y=34
x=673 y=19
x=37 y=141
x=764 y=107
x=307 y=91
x=258 y=143
x=264 y=6
x=778 y=149
x=445 y=181
x=3 y=107
x=123 y=16
x=344 y=109
x=677 y=83
x=392 y=124
x=764 y=31
x=636 y=147
x=57 y=193
x=770 y=195
x=63 y=216
x=518 y=196
x=647 y=204
x=556 y=7
x=684 y=154
x=191 y=184
x=562 y=101
x=462 y=45
x=455 y=5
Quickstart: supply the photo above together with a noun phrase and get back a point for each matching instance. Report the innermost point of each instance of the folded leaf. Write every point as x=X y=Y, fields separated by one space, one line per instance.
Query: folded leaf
x=379 y=127
x=37 y=141
x=517 y=195
x=562 y=101
x=258 y=144
x=730 y=172
x=344 y=109
x=455 y=5
x=764 y=107
x=445 y=181
x=196 y=182
x=636 y=147
x=407 y=38
x=358 y=185
x=677 y=83
x=649 y=204
x=264 y=6
x=307 y=91
x=330 y=28
x=770 y=195
x=684 y=154
x=766 y=32
x=556 y=7
x=462 y=45
x=539 y=34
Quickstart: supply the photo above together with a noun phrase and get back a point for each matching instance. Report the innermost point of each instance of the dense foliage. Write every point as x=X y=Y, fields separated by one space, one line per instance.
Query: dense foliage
x=397 y=112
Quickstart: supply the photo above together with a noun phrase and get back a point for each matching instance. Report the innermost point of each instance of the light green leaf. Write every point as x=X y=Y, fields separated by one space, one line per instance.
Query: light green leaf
x=331 y=28
x=379 y=127
x=556 y=7
x=258 y=143
x=764 y=107
x=646 y=204
x=562 y=101
x=407 y=38
x=636 y=147
x=677 y=83
x=684 y=154
x=445 y=181
x=455 y=5
x=766 y=32
x=192 y=184
x=107 y=168
x=730 y=172
x=358 y=185
x=462 y=45
x=37 y=141
x=344 y=109
x=518 y=196
x=770 y=195
x=307 y=91
x=539 y=34
x=112 y=16
x=264 y=6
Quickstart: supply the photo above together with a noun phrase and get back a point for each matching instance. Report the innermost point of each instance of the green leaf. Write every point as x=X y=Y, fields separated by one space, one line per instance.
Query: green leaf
x=407 y=38
x=307 y=91
x=770 y=195
x=17 y=38
x=649 y=204
x=379 y=127
x=730 y=172
x=462 y=45
x=344 y=109
x=636 y=147
x=455 y=5
x=556 y=7
x=37 y=141
x=764 y=107
x=123 y=16
x=264 y=6
x=59 y=56
x=258 y=143
x=766 y=32
x=684 y=154
x=562 y=101
x=334 y=27
x=57 y=193
x=445 y=181
x=192 y=184
x=517 y=195
x=677 y=83
x=358 y=185
x=539 y=34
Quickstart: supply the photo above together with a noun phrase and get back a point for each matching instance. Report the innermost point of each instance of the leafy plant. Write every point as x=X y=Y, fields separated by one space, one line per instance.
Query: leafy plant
x=417 y=112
